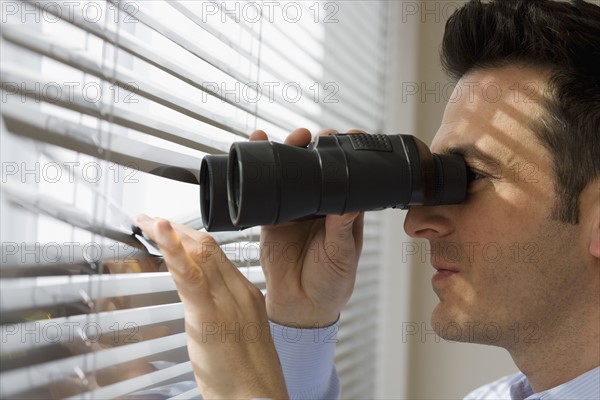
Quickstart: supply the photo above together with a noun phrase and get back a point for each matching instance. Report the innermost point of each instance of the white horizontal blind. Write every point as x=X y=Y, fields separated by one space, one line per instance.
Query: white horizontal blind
x=99 y=99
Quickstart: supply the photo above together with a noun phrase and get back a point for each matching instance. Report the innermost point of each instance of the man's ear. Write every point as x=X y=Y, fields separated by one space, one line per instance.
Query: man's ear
x=595 y=228
x=595 y=239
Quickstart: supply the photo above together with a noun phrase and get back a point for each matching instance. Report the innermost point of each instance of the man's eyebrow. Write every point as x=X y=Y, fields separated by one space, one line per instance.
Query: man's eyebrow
x=468 y=151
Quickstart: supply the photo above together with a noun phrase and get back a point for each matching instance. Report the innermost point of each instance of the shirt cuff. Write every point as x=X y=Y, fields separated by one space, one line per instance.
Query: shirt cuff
x=307 y=360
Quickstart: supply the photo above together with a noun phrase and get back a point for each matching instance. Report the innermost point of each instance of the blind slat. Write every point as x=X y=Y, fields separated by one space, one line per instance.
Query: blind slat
x=355 y=16
x=360 y=356
x=344 y=56
x=43 y=291
x=178 y=5
x=122 y=78
x=42 y=374
x=67 y=329
x=266 y=41
x=77 y=137
x=137 y=48
x=190 y=394
x=31 y=87
x=364 y=308
x=18 y=258
x=143 y=16
x=257 y=35
x=137 y=383
x=67 y=213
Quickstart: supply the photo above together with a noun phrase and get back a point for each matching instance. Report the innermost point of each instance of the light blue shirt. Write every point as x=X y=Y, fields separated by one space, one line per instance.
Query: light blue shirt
x=516 y=387
x=306 y=357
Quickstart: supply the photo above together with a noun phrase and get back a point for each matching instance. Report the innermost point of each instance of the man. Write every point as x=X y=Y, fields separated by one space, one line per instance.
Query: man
x=525 y=115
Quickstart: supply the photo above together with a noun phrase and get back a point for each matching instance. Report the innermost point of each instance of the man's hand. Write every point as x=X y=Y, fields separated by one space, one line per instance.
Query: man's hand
x=310 y=265
x=229 y=340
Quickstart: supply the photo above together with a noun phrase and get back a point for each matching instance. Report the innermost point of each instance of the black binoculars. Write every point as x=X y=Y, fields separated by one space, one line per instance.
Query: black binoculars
x=266 y=183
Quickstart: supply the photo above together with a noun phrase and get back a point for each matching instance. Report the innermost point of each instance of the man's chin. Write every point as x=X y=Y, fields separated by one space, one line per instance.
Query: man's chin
x=452 y=326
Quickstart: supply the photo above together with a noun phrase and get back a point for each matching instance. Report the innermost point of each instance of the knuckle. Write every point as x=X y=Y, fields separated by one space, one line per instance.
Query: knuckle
x=206 y=239
x=190 y=274
x=162 y=225
x=204 y=248
x=200 y=254
x=196 y=253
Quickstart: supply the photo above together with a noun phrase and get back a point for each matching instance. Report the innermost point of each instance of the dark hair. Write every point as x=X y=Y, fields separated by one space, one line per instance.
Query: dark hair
x=564 y=39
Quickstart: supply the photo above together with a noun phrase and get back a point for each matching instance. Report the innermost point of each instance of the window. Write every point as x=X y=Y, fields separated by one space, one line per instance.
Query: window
x=99 y=99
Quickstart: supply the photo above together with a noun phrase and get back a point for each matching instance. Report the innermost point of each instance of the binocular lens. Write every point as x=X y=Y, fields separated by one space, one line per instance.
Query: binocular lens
x=213 y=194
x=234 y=185
x=264 y=183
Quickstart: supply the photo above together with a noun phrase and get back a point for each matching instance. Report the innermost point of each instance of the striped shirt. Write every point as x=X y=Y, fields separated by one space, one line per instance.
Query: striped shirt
x=516 y=387
x=306 y=356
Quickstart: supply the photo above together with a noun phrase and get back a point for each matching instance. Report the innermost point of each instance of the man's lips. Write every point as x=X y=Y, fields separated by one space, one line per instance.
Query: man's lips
x=444 y=273
x=445 y=267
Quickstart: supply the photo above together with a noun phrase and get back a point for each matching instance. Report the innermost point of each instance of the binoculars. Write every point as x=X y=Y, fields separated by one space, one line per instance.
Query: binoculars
x=266 y=183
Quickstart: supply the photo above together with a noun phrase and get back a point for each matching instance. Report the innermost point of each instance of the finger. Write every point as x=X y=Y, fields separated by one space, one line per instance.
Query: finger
x=358 y=231
x=339 y=231
x=205 y=251
x=210 y=249
x=186 y=273
x=327 y=132
x=214 y=259
x=206 y=248
x=197 y=250
x=300 y=137
x=258 y=135
x=191 y=232
x=218 y=269
x=333 y=131
x=342 y=223
x=145 y=223
x=148 y=222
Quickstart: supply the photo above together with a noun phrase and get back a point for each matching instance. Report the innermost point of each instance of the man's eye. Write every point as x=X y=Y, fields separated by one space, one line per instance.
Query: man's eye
x=473 y=175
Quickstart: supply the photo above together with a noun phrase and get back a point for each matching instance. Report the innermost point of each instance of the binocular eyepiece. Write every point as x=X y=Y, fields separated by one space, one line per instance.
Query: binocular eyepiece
x=265 y=183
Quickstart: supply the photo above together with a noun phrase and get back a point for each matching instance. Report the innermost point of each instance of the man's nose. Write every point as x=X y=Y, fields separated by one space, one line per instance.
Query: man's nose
x=427 y=222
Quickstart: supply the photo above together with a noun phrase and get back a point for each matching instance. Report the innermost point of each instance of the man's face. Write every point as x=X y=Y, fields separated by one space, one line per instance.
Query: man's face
x=506 y=271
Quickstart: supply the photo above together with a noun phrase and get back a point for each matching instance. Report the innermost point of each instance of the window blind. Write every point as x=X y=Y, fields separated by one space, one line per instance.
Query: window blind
x=107 y=110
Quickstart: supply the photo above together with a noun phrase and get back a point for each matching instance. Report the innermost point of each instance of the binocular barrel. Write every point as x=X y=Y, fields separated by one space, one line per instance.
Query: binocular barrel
x=265 y=183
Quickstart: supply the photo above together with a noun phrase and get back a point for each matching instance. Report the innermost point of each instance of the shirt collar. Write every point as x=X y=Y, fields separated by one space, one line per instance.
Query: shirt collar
x=588 y=382
x=521 y=389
